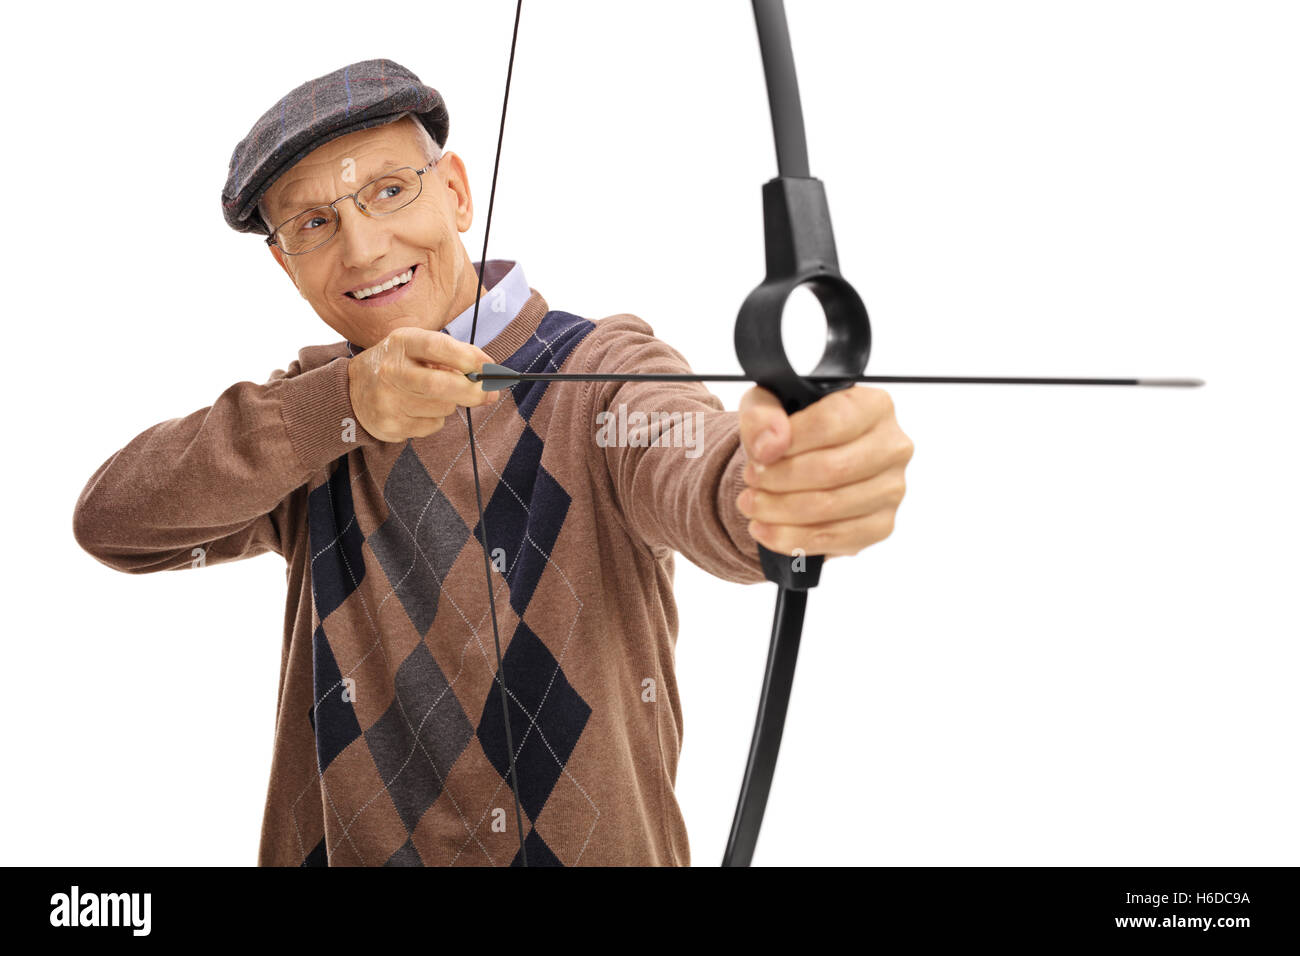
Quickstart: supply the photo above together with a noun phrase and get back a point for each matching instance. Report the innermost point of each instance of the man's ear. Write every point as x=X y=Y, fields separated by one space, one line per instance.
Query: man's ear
x=457 y=179
x=279 y=257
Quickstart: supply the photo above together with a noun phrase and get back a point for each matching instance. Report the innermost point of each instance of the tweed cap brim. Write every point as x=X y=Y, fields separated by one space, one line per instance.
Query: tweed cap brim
x=358 y=96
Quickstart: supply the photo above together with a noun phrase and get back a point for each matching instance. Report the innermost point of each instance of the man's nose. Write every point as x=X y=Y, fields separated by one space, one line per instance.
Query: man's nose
x=364 y=237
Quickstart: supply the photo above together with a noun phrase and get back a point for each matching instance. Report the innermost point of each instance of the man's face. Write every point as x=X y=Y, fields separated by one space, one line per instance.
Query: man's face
x=367 y=251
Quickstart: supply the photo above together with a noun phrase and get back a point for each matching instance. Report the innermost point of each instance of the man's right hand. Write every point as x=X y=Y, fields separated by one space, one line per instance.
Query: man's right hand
x=408 y=384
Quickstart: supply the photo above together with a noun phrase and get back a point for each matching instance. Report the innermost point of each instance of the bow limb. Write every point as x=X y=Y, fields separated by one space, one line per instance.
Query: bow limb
x=800 y=251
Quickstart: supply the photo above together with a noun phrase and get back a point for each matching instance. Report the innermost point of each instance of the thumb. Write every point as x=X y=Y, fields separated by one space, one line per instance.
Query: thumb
x=764 y=426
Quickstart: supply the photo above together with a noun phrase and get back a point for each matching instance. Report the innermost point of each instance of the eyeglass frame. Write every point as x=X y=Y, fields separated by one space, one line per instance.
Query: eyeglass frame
x=338 y=218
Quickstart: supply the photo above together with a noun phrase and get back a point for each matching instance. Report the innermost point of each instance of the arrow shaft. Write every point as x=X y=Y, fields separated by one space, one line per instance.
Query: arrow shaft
x=515 y=377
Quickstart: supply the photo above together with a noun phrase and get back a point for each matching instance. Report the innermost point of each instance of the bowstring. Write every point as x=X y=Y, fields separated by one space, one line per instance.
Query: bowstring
x=473 y=454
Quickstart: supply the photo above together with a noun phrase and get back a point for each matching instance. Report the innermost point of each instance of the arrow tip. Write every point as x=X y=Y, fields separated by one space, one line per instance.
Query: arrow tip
x=1172 y=382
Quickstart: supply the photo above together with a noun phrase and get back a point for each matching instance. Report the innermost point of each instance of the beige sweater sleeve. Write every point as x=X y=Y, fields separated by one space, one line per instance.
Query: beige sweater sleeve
x=681 y=493
x=219 y=484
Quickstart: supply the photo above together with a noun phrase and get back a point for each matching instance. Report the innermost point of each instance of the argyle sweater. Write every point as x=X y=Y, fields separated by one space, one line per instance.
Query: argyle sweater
x=390 y=745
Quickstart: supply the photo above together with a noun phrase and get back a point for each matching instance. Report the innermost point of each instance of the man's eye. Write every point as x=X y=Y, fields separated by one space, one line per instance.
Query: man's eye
x=386 y=188
x=307 y=225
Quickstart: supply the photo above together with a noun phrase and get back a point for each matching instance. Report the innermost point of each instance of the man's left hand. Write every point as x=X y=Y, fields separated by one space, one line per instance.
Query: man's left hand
x=827 y=479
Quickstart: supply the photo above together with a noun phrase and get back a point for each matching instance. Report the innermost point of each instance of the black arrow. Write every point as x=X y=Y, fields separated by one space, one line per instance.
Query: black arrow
x=497 y=377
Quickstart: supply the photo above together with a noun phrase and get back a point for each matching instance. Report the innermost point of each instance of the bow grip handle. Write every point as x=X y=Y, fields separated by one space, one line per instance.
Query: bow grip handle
x=797 y=572
x=800 y=247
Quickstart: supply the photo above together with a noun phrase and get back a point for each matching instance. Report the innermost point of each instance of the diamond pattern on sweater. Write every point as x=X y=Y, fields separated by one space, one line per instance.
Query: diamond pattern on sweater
x=524 y=517
x=546 y=718
x=419 y=737
x=332 y=718
x=405 y=855
x=545 y=351
x=539 y=854
x=419 y=541
x=337 y=567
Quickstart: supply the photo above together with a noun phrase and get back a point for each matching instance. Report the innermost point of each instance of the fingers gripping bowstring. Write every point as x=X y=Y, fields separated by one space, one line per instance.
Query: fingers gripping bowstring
x=473 y=456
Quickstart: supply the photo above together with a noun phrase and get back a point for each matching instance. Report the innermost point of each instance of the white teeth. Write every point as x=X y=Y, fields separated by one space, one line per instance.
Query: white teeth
x=404 y=278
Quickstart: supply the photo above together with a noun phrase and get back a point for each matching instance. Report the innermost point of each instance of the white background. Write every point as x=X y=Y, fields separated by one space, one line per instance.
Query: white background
x=1079 y=645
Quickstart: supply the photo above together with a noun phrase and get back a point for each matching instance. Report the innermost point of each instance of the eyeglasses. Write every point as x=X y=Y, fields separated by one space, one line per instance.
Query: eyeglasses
x=383 y=196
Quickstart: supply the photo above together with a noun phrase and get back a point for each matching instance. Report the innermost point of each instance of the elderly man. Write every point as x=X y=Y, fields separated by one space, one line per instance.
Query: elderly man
x=354 y=464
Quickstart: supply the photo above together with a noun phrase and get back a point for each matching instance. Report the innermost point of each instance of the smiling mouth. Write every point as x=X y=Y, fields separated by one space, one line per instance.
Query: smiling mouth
x=384 y=289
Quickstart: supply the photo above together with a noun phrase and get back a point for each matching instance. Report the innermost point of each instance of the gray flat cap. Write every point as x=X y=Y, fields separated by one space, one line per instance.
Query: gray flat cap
x=358 y=96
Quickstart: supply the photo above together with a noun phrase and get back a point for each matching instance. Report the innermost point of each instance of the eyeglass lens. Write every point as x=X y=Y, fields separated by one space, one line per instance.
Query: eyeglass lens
x=316 y=226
